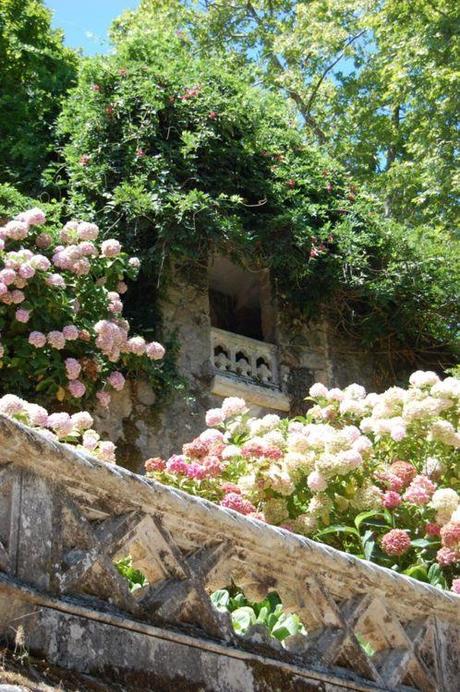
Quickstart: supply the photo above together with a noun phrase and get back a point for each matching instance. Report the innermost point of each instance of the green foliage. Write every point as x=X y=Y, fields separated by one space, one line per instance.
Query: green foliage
x=269 y=613
x=135 y=578
x=36 y=71
x=185 y=155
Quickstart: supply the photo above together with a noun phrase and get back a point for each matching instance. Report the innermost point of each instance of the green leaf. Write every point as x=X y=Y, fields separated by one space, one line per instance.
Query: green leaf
x=338 y=528
x=220 y=600
x=243 y=618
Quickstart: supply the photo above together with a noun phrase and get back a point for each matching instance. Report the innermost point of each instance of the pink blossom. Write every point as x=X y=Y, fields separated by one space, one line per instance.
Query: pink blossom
x=76 y=388
x=70 y=332
x=396 y=542
x=195 y=471
x=177 y=464
x=391 y=499
x=22 y=315
x=37 y=339
x=82 y=420
x=88 y=249
x=316 y=481
x=61 y=423
x=3 y=289
x=20 y=282
x=55 y=281
x=87 y=231
x=117 y=380
x=212 y=466
x=16 y=230
x=137 y=345
x=134 y=262
x=446 y=557
x=432 y=529
x=231 y=488
x=450 y=535
x=154 y=465
x=43 y=241
x=37 y=415
x=154 y=350
x=7 y=276
x=237 y=503
x=40 y=262
x=26 y=271
x=405 y=471
x=110 y=248
x=17 y=297
x=214 y=417
x=103 y=398
x=106 y=451
x=32 y=217
x=456 y=586
x=122 y=287
x=10 y=404
x=233 y=406
x=90 y=440
x=196 y=449
x=419 y=491
x=73 y=368
x=56 y=340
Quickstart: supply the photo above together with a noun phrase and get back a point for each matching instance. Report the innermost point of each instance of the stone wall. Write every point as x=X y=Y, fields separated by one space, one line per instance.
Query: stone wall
x=308 y=352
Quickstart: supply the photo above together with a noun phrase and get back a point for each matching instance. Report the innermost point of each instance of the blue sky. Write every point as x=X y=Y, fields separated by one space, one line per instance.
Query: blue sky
x=86 y=22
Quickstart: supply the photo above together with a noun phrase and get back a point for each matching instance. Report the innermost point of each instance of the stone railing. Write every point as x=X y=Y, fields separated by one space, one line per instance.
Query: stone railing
x=66 y=517
x=247 y=358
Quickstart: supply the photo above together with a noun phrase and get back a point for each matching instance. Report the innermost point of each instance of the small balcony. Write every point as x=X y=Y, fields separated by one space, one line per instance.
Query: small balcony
x=247 y=368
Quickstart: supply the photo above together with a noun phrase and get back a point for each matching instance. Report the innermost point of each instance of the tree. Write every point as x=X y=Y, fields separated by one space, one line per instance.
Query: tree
x=376 y=83
x=185 y=153
x=36 y=71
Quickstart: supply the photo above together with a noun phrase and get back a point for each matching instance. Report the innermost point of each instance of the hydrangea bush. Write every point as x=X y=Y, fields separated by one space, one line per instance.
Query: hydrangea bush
x=62 y=334
x=376 y=475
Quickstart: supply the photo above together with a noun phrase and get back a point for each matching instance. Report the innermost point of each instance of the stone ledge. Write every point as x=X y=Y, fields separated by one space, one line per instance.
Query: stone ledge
x=254 y=395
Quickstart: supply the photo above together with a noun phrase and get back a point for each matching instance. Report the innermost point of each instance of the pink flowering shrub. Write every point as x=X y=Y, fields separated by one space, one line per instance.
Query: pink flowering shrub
x=376 y=475
x=62 y=332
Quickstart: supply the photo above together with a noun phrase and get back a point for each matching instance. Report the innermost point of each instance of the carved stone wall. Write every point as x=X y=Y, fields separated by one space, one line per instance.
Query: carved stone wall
x=65 y=517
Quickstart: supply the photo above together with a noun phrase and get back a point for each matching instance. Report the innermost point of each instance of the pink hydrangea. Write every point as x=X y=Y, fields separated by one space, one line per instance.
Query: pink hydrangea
x=116 y=380
x=61 y=423
x=237 y=503
x=77 y=388
x=40 y=262
x=37 y=339
x=73 y=368
x=446 y=557
x=55 y=281
x=420 y=490
x=90 y=440
x=432 y=529
x=391 y=499
x=230 y=488
x=405 y=471
x=396 y=542
x=154 y=350
x=177 y=464
x=214 y=417
x=122 y=287
x=82 y=420
x=26 y=271
x=88 y=249
x=212 y=466
x=87 y=231
x=70 y=332
x=3 y=289
x=17 y=297
x=56 y=340
x=103 y=398
x=10 y=404
x=32 y=217
x=110 y=248
x=37 y=415
x=16 y=230
x=450 y=535
x=106 y=451
x=134 y=262
x=233 y=406
x=154 y=465
x=456 y=586
x=196 y=449
x=7 y=276
x=195 y=471
x=43 y=241
x=137 y=345
x=22 y=315
x=316 y=481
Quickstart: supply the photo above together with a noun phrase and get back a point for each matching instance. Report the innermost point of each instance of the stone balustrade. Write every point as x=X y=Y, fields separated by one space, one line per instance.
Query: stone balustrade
x=66 y=517
x=246 y=358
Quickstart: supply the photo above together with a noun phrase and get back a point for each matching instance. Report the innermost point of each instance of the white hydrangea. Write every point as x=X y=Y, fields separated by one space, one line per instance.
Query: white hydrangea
x=423 y=378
